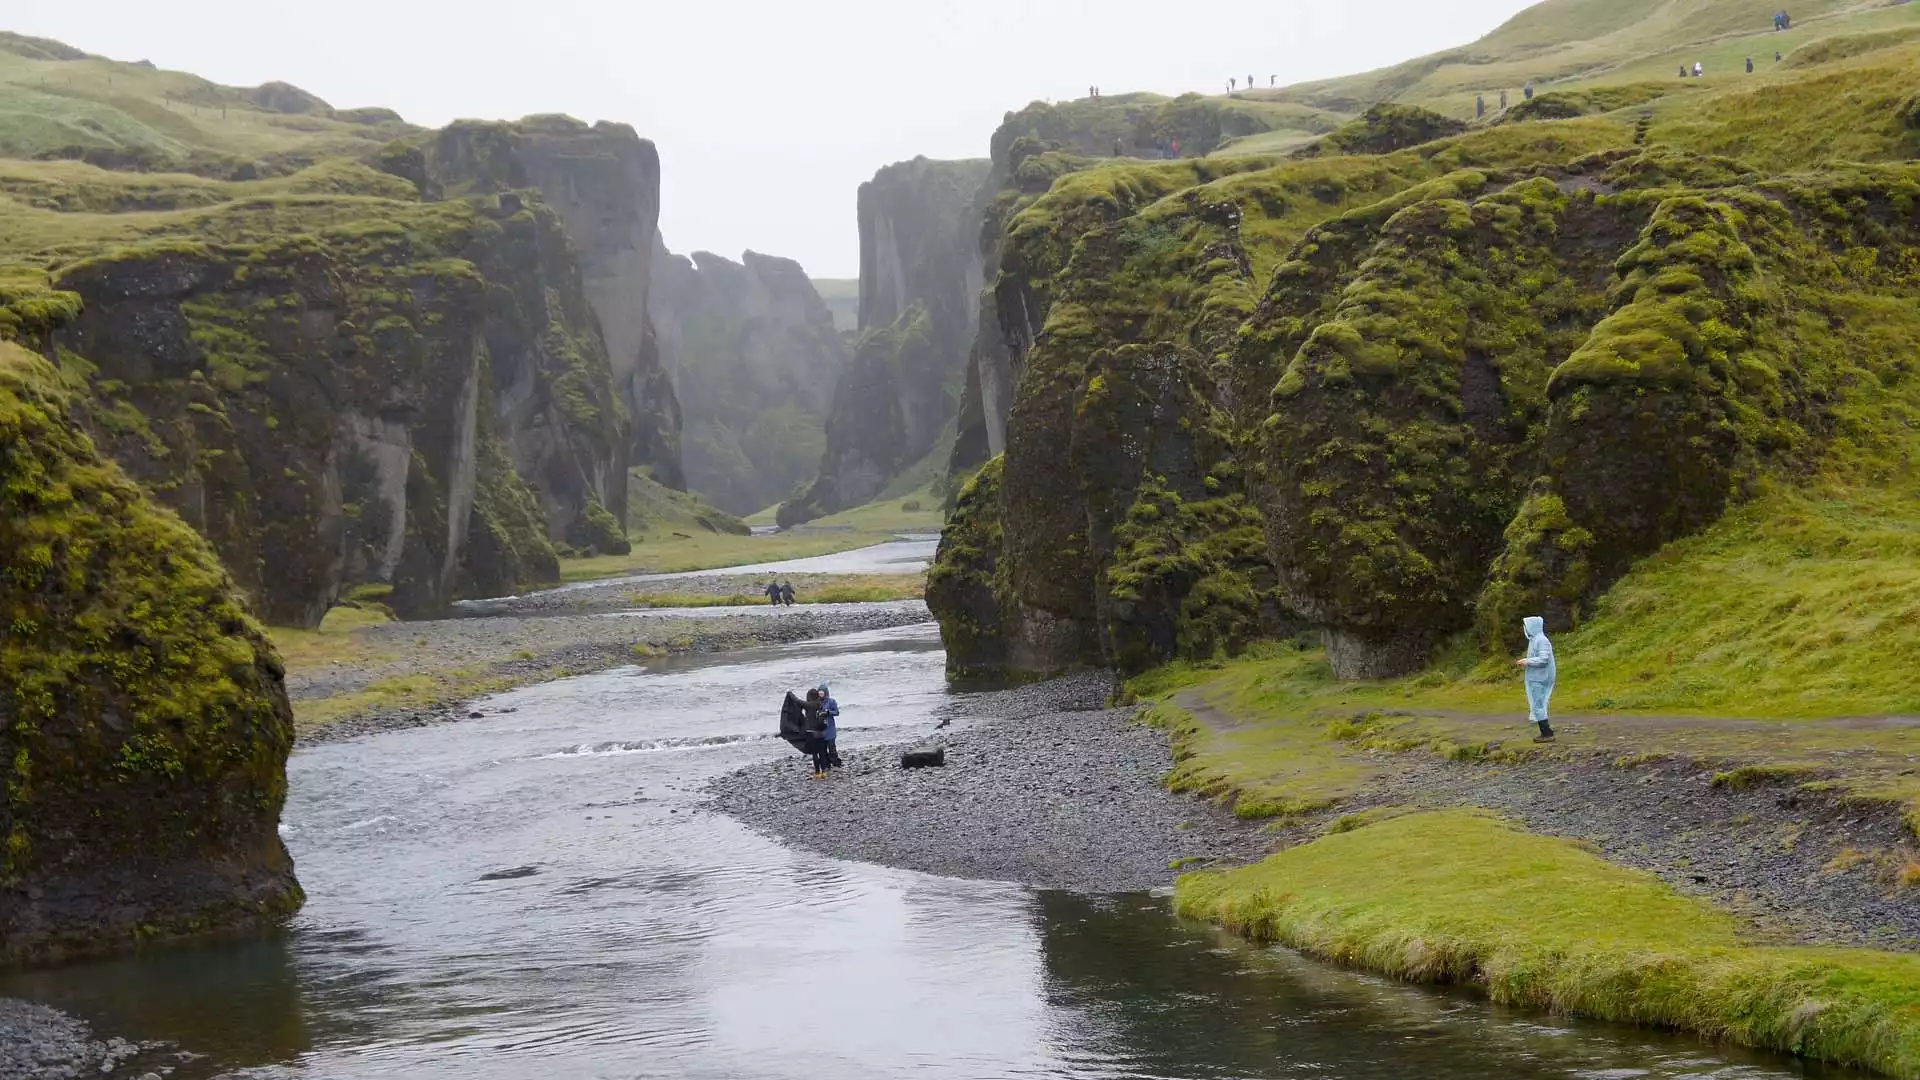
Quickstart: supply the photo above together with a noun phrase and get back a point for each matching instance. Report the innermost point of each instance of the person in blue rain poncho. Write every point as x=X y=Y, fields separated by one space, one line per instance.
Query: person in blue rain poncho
x=830 y=711
x=1541 y=672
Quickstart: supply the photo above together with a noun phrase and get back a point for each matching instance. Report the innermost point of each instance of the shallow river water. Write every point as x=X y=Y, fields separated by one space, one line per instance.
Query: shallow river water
x=537 y=894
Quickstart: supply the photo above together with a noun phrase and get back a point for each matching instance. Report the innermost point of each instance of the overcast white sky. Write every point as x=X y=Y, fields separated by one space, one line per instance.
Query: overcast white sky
x=768 y=114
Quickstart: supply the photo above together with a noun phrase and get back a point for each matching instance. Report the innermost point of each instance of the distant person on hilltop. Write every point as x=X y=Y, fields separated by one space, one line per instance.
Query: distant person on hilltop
x=1541 y=673
x=1527 y=91
x=1699 y=69
x=1273 y=80
x=1232 y=85
x=1249 y=82
x=1503 y=101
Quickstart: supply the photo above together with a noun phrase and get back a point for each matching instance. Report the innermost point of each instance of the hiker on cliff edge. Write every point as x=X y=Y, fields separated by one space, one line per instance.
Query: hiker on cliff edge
x=1541 y=672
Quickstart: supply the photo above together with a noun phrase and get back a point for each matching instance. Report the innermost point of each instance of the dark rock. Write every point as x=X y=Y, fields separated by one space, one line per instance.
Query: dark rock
x=144 y=722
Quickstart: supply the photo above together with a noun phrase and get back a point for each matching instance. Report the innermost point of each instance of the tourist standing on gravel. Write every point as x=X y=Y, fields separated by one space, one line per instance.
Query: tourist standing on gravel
x=830 y=710
x=1541 y=672
x=818 y=726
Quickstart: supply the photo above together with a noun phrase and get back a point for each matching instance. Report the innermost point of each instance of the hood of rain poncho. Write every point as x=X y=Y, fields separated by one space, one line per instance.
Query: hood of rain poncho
x=1542 y=669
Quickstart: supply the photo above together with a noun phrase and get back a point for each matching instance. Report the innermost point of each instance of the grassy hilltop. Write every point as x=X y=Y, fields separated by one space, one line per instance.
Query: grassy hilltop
x=1301 y=427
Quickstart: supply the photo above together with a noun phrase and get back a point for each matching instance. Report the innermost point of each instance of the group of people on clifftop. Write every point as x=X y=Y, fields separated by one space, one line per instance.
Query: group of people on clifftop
x=1480 y=101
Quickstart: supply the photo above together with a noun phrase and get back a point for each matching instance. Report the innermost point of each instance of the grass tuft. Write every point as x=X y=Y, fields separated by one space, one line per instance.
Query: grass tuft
x=1753 y=776
x=1540 y=923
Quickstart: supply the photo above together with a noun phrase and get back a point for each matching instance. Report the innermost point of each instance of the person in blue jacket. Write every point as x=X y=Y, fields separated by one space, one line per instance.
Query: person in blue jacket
x=1541 y=672
x=830 y=710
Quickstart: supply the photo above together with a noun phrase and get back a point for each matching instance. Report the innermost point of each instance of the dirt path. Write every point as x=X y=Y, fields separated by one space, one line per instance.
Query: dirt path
x=1803 y=861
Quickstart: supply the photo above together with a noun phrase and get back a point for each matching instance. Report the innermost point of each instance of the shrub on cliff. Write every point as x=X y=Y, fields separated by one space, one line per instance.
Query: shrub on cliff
x=144 y=725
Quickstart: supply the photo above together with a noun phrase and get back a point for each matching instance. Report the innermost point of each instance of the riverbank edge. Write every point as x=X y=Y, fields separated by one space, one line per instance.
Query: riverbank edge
x=455 y=697
x=1825 y=1003
x=1853 y=1007
x=1045 y=783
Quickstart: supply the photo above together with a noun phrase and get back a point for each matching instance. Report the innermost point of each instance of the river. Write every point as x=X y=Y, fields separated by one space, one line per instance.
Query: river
x=538 y=894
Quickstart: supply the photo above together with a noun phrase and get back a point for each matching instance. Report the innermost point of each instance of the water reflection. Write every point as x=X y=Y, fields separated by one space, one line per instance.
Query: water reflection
x=1137 y=992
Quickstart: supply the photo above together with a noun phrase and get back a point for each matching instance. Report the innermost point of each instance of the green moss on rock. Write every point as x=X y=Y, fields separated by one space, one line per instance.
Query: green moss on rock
x=144 y=725
x=966 y=589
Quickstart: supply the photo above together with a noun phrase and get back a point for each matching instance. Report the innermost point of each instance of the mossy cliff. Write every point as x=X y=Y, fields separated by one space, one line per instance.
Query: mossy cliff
x=604 y=182
x=386 y=368
x=753 y=353
x=1459 y=380
x=306 y=388
x=919 y=293
x=1033 y=148
x=144 y=727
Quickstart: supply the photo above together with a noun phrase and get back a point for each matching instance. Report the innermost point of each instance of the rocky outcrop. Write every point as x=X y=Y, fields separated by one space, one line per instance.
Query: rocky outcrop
x=604 y=182
x=1390 y=399
x=412 y=395
x=392 y=377
x=1032 y=149
x=753 y=353
x=920 y=279
x=144 y=727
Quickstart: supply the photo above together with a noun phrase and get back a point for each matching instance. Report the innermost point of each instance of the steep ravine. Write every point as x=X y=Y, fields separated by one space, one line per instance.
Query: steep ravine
x=753 y=353
x=920 y=277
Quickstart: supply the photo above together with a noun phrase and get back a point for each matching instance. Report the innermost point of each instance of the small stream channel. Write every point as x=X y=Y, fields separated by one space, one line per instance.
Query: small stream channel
x=538 y=894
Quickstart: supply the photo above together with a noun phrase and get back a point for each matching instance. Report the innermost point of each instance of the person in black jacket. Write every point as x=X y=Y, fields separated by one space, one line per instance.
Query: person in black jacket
x=818 y=745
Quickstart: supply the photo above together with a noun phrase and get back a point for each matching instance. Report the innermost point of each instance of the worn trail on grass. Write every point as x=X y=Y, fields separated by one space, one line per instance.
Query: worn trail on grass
x=1803 y=862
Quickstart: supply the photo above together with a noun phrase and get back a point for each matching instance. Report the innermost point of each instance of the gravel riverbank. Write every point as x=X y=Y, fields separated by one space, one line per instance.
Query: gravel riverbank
x=1043 y=785
x=502 y=651
x=38 y=1043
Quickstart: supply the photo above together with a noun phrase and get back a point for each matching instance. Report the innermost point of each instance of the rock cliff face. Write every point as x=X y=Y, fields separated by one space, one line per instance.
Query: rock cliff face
x=1393 y=397
x=144 y=727
x=754 y=354
x=392 y=377
x=419 y=400
x=1031 y=149
x=920 y=278
x=604 y=182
